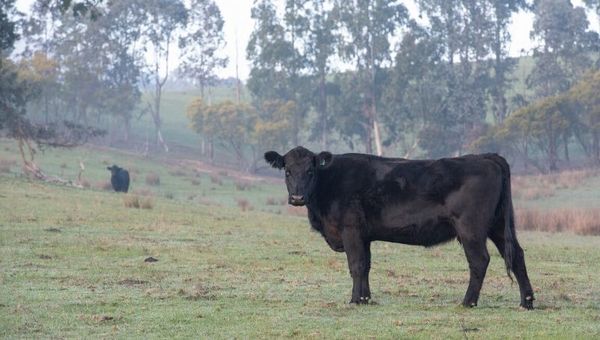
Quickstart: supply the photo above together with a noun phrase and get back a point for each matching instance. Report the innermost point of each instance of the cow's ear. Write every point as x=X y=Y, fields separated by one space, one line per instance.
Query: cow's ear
x=275 y=159
x=324 y=159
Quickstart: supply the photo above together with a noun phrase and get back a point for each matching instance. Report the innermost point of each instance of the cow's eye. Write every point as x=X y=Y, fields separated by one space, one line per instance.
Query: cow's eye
x=309 y=172
x=288 y=173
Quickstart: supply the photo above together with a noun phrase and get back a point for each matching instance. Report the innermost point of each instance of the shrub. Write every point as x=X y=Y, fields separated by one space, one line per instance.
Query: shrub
x=195 y=181
x=131 y=201
x=215 y=179
x=152 y=178
x=169 y=195
x=137 y=202
x=244 y=204
x=147 y=203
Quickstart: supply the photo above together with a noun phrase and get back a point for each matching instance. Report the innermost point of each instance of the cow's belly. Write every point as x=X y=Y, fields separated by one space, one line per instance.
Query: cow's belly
x=417 y=224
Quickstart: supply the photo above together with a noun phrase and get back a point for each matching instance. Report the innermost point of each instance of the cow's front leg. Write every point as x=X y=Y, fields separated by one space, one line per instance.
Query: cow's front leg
x=358 y=252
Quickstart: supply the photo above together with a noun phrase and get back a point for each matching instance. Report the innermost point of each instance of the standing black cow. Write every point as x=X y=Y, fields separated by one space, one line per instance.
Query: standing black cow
x=119 y=178
x=354 y=199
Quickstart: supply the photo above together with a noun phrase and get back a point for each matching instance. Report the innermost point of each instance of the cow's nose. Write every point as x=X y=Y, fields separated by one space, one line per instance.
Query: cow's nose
x=296 y=199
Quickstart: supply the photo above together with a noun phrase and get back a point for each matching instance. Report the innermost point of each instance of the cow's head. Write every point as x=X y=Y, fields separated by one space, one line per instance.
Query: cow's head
x=113 y=169
x=302 y=169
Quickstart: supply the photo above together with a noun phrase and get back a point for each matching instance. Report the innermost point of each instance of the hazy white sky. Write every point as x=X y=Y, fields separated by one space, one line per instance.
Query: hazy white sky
x=239 y=25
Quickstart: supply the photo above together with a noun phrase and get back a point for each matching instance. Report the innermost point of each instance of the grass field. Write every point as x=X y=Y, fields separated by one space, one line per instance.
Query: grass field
x=72 y=264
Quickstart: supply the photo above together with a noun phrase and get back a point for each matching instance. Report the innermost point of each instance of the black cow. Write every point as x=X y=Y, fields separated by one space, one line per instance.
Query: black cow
x=119 y=178
x=354 y=199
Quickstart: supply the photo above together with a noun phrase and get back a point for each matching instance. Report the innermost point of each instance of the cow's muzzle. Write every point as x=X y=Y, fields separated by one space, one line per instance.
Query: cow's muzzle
x=296 y=200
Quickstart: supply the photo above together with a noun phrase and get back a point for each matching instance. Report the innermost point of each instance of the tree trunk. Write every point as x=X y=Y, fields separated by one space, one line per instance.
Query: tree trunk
x=596 y=147
x=566 y=144
x=323 y=112
x=160 y=141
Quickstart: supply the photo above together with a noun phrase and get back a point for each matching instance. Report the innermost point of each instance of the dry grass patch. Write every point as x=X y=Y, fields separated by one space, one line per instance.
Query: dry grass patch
x=103 y=185
x=152 y=178
x=244 y=204
x=137 y=202
x=86 y=184
x=579 y=221
x=533 y=187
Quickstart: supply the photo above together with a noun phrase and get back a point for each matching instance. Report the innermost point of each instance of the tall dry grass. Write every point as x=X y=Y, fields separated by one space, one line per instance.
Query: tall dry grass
x=579 y=221
x=533 y=187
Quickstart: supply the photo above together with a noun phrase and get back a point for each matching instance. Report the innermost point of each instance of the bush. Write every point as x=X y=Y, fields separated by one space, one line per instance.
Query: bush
x=137 y=202
x=244 y=204
x=152 y=178
x=215 y=179
x=195 y=181
x=131 y=201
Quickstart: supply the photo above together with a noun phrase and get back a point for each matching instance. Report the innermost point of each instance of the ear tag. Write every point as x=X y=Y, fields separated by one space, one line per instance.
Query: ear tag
x=322 y=163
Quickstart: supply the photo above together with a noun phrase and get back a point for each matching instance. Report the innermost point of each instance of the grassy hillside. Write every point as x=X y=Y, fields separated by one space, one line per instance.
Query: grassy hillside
x=72 y=264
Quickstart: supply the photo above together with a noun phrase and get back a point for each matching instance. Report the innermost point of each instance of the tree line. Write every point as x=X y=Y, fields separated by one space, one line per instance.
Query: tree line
x=358 y=74
x=87 y=62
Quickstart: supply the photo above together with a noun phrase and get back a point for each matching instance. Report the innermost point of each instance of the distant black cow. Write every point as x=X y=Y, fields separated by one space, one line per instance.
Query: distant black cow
x=354 y=199
x=119 y=178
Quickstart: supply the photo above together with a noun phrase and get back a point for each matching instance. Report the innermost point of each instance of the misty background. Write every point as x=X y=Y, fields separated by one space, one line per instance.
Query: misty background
x=224 y=81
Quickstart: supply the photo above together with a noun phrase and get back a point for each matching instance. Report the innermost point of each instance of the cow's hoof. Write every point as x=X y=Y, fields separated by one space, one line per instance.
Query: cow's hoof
x=363 y=300
x=469 y=304
x=528 y=303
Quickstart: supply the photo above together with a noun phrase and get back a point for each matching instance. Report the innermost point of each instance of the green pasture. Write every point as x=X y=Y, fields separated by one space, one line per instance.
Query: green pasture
x=72 y=264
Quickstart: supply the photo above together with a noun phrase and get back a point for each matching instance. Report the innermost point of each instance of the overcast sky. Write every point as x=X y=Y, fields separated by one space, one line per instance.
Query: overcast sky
x=239 y=25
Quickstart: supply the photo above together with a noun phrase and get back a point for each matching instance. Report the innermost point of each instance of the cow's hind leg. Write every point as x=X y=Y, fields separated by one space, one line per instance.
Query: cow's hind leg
x=518 y=266
x=478 y=258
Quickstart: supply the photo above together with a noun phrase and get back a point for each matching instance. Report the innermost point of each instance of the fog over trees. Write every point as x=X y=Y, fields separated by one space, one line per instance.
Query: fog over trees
x=369 y=76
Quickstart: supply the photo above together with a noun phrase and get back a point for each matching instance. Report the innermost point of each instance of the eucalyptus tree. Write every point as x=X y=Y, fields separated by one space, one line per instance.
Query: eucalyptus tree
x=164 y=21
x=201 y=46
x=320 y=42
x=563 y=43
x=502 y=12
x=273 y=60
x=367 y=29
x=12 y=101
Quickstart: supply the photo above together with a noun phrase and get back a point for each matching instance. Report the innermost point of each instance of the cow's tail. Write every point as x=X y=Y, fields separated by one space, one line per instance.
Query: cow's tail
x=508 y=215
